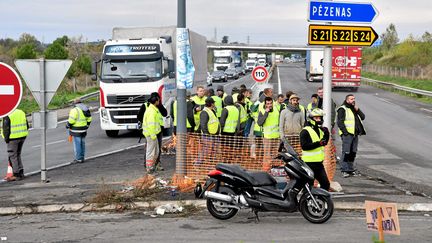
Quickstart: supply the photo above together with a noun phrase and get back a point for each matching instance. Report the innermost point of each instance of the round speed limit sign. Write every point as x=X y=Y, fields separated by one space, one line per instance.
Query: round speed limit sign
x=260 y=74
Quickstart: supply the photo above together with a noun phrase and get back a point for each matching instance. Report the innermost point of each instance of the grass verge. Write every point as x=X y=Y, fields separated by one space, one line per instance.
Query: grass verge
x=417 y=84
x=60 y=100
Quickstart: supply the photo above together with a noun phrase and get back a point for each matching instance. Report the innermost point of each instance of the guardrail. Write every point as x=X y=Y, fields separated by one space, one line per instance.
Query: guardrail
x=418 y=92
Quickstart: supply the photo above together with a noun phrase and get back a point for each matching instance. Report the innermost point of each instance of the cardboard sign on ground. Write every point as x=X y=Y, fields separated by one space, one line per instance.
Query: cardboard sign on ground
x=390 y=219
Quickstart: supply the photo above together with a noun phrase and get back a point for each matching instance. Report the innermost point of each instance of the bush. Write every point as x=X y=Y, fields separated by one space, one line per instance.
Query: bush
x=26 y=51
x=56 y=51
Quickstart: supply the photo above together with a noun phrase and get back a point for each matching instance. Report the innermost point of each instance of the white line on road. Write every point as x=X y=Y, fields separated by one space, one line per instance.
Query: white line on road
x=59 y=141
x=7 y=90
x=386 y=101
x=279 y=82
x=427 y=110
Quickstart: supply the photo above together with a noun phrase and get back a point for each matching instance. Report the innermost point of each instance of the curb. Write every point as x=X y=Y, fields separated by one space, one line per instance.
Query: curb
x=86 y=207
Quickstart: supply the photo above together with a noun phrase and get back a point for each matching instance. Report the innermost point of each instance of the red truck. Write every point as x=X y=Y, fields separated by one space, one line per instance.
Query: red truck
x=346 y=67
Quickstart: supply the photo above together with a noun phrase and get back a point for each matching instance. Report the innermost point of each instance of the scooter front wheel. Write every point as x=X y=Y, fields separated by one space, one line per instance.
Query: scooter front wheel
x=313 y=214
x=219 y=209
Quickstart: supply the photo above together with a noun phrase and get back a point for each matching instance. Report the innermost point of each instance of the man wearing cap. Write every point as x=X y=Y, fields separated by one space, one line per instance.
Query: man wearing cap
x=292 y=119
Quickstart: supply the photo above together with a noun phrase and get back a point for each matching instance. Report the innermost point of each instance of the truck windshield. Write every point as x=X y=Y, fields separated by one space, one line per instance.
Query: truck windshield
x=131 y=70
x=222 y=60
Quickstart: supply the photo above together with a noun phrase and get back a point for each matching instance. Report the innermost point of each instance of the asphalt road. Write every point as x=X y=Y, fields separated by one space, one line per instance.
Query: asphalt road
x=398 y=141
x=60 y=151
x=138 y=227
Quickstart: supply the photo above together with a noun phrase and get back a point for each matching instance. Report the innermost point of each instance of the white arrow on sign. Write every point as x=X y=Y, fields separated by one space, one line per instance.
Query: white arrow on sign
x=7 y=90
x=55 y=71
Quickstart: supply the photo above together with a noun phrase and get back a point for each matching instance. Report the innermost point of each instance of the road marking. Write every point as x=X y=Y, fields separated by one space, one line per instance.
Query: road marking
x=427 y=110
x=279 y=81
x=386 y=101
x=7 y=90
x=59 y=141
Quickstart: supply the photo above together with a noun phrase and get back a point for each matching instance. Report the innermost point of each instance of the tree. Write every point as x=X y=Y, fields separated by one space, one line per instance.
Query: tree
x=390 y=37
x=427 y=37
x=225 y=39
x=26 y=51
x=63 y=41
x=56 y=51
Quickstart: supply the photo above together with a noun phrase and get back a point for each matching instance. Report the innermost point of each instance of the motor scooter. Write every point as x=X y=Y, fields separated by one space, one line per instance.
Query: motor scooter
x=230 y=188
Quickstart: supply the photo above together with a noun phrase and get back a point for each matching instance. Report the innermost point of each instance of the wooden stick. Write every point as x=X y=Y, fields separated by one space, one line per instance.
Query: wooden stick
x=380 y=226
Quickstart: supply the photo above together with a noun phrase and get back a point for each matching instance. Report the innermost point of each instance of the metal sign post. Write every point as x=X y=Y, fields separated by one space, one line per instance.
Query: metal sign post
x=327 y=86
x=43 y=78
x=43 y=107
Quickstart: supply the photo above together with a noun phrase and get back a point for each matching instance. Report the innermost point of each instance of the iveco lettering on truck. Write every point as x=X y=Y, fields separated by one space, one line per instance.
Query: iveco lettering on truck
x=134 y=64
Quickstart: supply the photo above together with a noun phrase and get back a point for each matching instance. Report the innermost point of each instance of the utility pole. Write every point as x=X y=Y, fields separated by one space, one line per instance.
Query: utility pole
x=181 y=104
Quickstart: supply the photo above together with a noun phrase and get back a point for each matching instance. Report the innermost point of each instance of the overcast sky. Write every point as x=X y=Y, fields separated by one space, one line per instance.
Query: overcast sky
x=264 y=21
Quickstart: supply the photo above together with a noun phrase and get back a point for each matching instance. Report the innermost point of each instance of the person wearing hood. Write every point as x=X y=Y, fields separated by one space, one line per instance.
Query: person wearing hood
x=292 y=119
x=78 y=122
x=221 y=93
x=230 y=118
x=349 y=121
x=313 y=138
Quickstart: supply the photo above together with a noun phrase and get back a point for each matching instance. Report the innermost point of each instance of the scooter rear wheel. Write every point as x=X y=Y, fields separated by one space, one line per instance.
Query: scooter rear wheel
x=316 y=215
x=216 y=208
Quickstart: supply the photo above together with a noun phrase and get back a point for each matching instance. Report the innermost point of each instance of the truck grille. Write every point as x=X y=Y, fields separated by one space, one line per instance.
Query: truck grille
x=126 y=99
x=124 y=113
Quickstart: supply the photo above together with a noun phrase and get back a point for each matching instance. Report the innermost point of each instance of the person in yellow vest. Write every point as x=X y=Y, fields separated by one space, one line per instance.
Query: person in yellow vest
x=242 y=107
x=190 y=122
x=78 y=122
x=234 y=93
x=210 y=127
x=313 y=104
x=230 y=118
x=349 y=121
x=221 y=93
x=313 y=138
x=268 y=119
x=151 y=126
x=199 y=100
x=218 y=102
x=280 y=102
x=14 y=131
x=248 y=94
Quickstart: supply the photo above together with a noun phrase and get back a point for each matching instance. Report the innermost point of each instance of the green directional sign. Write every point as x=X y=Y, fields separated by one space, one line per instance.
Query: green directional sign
x=339 y=35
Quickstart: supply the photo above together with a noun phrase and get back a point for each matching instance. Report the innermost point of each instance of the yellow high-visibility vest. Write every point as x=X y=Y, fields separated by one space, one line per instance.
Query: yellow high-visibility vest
x=188 y=125
x=349 y=120
x=198 y=101
x=218 y=105
x=317 y=154
x=151 y=122
x=213 y=122
x=18 y=124
x=232 y=119
x=78 y=120
x=271 y=124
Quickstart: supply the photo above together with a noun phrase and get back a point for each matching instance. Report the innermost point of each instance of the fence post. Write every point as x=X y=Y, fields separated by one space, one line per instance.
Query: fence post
x=74 y=85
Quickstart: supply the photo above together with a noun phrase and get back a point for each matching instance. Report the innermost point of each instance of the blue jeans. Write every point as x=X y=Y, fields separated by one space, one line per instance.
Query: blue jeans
x=79 y=147
x=248 y=127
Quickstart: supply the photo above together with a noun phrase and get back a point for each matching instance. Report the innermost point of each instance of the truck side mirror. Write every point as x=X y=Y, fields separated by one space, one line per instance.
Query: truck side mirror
x=171 y=69
x=94 y=70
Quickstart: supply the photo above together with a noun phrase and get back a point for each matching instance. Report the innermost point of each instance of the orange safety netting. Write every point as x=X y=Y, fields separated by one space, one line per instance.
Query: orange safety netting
x=204 y=152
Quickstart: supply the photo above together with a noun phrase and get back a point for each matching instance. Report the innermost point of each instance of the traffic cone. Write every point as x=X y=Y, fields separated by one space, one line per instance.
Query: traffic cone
x=9 y=172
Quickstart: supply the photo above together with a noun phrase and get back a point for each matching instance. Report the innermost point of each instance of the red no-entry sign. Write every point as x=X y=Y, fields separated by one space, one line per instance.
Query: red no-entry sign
x=10 y=90
x=260 y=74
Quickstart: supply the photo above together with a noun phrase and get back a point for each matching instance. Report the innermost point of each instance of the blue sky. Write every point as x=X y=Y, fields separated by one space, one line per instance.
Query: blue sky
x=270 y=21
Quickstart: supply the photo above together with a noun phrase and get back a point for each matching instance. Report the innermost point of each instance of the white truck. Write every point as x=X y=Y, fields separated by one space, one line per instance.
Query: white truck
x=135 y=63
x=314 y=65
x=252 y=56
x=224 y=59
x=279 y=58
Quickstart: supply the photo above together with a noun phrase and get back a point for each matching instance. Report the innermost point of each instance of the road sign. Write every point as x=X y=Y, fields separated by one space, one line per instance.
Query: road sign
x=260 y=74
x=386 y=213
x=55 y=71
x=51 y=120
x=10 y=90
x=342 y=12
x=339 y=35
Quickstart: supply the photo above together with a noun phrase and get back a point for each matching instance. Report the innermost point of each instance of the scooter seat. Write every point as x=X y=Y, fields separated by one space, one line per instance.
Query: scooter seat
x=254 y=178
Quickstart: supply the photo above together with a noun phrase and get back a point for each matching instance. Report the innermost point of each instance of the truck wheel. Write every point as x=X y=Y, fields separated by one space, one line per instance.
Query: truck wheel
x=112 y=133
x=308 y=77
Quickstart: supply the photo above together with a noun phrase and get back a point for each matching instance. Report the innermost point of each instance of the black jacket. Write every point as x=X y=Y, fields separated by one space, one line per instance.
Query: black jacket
x=359 y=129
x=306 y=141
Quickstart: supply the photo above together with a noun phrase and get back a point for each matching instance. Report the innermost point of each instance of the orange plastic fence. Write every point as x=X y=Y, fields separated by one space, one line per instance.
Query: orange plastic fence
x=204 y=152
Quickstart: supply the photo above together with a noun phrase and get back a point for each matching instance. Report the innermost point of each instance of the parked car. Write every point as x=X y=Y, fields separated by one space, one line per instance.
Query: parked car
x=241 y=70
x=219 y=75
x=231 y=73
